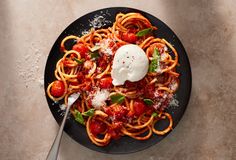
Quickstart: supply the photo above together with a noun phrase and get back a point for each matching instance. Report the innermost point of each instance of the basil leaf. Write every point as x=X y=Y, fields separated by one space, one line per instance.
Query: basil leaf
x=144 y=32
x=148 y=101
x=154 y=114
x=94 y=55
x=89 y=112
x=152 y=66
x=155 y=63
x=79 y=117
x=156 y=53
x=117 y=98
x=79 y=61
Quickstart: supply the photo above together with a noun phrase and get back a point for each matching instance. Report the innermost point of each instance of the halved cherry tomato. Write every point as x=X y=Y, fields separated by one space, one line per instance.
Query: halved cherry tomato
x=82 y=49
x=106 y=82
x=129 y=37
x=139 y=107
x=97 y=127
x=57 y=89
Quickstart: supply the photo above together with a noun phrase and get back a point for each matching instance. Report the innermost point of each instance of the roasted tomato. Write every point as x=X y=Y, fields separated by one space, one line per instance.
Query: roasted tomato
x=57 y=89
x=114 y=133
x=139 y=107
x=82 y=49
x=106 y=82
x=97 y=127
x=129 y=37
x=117 y=111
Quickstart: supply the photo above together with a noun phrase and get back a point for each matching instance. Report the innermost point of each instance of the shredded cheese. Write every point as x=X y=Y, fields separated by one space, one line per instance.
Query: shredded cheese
x=99 y=98
x=105 y=48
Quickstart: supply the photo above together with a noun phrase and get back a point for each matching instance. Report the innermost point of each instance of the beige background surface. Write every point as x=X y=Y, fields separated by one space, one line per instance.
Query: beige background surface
x=28 y=29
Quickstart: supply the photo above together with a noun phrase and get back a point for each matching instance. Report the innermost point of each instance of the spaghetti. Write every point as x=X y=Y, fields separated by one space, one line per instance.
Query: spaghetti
x=109 y=111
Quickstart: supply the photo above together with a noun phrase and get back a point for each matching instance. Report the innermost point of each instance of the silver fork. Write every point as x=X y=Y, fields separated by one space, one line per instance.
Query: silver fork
x=53 y=153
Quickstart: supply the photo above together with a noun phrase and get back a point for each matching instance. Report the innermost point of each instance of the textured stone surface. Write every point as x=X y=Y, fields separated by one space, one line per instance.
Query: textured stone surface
x=208 y=31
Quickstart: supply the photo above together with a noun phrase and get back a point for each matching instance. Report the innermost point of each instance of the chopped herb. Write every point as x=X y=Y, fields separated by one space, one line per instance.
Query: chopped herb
x=117 y=98
x=79 y=61
x=154 y=114
x=148 y=102
x=144 y=32
x=89 y=113
x=94 y=55
x=155 y=63
x=79 y=117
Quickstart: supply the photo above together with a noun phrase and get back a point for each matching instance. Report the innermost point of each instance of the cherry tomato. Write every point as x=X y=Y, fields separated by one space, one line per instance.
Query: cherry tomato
x=82 y=49
x=97 y=127
x=117 y=111
x=139 y=108
x=57 y=89
x=114 y=133
x=129 y=37
x=106 y=82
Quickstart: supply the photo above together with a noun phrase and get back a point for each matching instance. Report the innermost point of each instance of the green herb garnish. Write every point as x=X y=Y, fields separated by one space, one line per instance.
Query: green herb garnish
x=154 y=114
x=79 y=117
x=94 y=55
x=144 y=32
x=155 y=63
x=117 y=98
x=148 y=102
x=79 y=61
x=89 y=112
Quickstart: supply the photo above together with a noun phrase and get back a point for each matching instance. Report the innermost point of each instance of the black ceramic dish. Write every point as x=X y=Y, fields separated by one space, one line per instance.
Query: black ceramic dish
x=125 y=144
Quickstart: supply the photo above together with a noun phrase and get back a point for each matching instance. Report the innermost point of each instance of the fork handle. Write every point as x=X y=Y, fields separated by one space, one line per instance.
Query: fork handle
x=53 y=153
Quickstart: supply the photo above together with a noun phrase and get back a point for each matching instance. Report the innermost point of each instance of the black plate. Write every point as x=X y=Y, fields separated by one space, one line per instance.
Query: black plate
x=125 y=144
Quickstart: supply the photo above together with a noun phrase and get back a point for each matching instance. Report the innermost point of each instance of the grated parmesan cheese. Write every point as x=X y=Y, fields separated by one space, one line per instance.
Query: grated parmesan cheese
x=174 y=102
x=164 y=56
x=62 y=107
x=98 y=21
x=174 y=86
x=165 y=48
x=99 y=98
x=105 y=48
